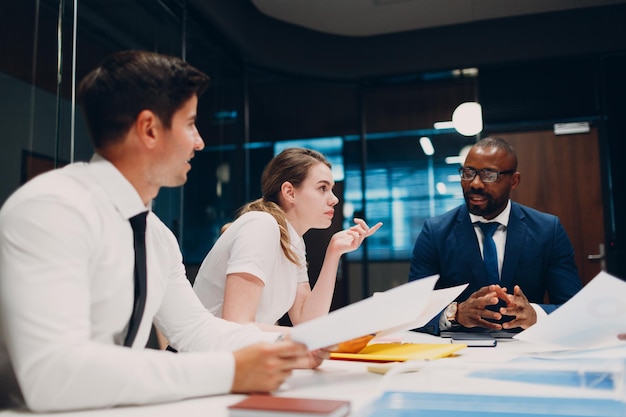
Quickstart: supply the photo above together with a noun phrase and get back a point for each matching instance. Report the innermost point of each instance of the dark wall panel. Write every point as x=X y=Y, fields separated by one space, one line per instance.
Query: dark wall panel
x=534 y=91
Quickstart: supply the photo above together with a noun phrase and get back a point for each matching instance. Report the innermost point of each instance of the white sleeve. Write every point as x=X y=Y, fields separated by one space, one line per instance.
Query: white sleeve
x=246 y=254
x=45 y=308
x=541 y=313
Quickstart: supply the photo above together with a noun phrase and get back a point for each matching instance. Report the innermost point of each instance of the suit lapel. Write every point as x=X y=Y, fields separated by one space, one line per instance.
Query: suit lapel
x=464 y=231
x=513 y=247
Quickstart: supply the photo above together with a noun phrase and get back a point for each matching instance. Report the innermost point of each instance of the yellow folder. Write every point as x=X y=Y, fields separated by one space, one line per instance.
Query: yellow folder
x=400 y=352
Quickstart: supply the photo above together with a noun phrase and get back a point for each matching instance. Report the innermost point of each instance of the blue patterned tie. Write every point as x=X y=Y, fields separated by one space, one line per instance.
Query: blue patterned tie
x=490 y=256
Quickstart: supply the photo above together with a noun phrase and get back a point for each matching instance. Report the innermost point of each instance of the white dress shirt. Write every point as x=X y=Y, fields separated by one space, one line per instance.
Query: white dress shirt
x=66 y=296
x=252 y=245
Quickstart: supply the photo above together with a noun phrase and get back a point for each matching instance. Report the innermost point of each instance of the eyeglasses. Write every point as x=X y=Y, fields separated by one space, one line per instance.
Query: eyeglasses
x=486 y=175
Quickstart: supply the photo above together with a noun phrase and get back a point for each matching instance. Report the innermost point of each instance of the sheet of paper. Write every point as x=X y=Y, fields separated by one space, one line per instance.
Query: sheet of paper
x=397 y=308
x=608 y=352
x=590 y=319
x=437 y=301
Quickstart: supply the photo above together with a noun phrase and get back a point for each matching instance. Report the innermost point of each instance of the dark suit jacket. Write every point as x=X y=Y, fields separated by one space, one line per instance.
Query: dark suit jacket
x=538 y=257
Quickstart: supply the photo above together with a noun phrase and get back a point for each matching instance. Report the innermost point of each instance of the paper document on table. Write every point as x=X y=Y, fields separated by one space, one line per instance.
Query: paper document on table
x=403 y=403
x=397 y=308
x=437 y=301
x=590 y=319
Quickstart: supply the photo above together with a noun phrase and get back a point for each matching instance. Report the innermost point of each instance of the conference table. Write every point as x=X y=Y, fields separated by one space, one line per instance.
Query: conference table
x=363 y=382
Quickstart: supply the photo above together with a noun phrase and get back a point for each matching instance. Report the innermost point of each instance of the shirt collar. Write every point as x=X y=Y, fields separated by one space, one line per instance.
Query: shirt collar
x=120 y=191
x=297 y=242
x=502 y=218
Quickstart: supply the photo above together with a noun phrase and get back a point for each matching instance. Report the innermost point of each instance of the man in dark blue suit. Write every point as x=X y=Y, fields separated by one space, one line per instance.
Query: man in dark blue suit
x=531 y=253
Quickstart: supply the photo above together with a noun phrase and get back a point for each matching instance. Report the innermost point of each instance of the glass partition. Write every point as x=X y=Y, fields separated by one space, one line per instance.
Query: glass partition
x=403 y=187
x=56 y=42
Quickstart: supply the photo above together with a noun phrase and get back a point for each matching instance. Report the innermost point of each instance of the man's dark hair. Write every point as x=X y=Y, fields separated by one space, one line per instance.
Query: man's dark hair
x=128 y=82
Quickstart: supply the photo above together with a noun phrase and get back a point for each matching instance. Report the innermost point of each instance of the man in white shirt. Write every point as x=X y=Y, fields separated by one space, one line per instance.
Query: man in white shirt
x=67 y=262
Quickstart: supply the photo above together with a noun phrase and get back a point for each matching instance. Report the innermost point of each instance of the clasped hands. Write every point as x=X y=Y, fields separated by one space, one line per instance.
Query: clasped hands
x=473 y=312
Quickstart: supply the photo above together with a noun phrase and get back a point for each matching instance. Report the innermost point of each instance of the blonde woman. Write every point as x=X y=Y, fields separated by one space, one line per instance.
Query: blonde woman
x=257 y=271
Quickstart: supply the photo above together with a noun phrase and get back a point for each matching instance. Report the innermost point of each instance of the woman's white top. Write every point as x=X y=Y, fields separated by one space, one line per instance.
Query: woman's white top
x=252 y=245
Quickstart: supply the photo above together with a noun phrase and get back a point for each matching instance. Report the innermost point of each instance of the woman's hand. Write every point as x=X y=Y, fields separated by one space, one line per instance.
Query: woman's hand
x=350 y=239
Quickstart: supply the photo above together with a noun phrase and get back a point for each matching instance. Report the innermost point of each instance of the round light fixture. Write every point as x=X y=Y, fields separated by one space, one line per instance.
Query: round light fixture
x=467 y=119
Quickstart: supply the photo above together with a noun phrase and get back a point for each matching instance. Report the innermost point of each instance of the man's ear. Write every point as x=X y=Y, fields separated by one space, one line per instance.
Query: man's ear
x=147 y=126
x=515 y=180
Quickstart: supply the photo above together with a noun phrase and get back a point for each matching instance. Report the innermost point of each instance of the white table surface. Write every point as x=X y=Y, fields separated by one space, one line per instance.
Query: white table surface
x=351 y=380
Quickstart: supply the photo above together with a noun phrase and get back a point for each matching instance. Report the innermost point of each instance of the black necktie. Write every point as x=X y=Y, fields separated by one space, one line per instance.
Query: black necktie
x=490 y=256
x=138 y=224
